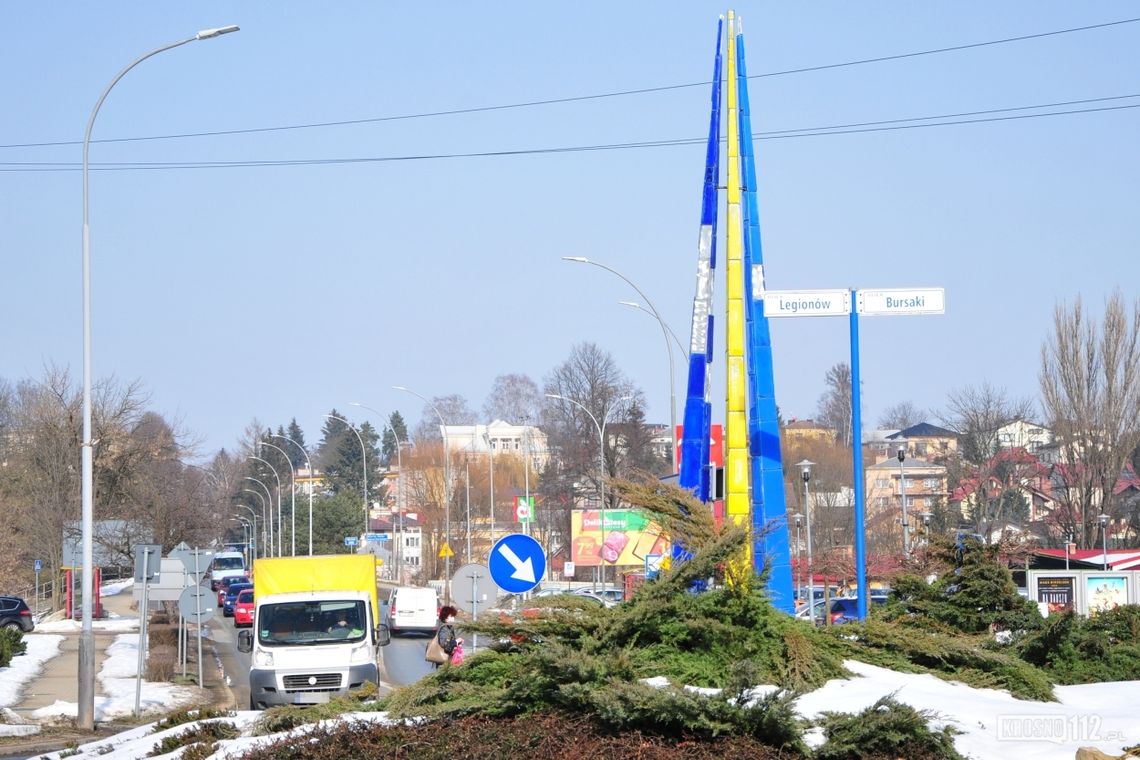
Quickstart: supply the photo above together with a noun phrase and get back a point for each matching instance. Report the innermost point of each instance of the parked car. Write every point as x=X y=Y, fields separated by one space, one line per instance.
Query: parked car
x=243 y=609
x=232 y=592
x=846 y=609
x=611 y=596
x=14 y=613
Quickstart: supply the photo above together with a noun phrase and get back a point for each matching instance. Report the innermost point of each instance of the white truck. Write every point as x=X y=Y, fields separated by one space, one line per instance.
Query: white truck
x=226 y=564
x=316 y=629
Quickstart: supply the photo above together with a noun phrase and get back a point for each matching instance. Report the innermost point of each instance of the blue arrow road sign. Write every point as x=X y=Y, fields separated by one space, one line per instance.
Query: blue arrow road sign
x=517 y=563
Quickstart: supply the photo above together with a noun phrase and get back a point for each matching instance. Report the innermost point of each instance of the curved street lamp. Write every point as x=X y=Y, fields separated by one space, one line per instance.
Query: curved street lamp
x=280 y=532
x=264 y=539
x=85 y=712
x=292 y=497
x=312 y=478
x=364 y=461
x=668 y=349
x=446 y=485
x=399 y=488
x=601 y=427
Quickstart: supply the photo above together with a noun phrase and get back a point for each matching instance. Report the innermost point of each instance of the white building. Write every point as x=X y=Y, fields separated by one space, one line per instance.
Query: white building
x=1021 y=434
x=500 y=438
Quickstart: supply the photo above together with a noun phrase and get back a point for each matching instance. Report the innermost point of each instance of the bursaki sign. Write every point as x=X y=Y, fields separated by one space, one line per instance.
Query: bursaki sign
x=901 y=301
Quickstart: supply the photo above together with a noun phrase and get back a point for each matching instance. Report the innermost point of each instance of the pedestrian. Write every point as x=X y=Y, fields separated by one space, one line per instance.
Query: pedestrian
x=445 y=636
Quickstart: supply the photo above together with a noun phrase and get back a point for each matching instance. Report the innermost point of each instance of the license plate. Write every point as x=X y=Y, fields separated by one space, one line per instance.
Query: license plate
x=311 y=698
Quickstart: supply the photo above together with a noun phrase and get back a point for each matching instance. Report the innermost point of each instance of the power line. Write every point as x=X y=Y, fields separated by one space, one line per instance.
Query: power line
x=887 y=126
x=579 y=98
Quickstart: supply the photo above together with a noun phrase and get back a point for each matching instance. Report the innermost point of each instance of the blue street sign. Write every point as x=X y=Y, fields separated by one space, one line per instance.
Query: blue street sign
x=517 y=563
x=39 y=565
x=351 y=540
x=375 y=538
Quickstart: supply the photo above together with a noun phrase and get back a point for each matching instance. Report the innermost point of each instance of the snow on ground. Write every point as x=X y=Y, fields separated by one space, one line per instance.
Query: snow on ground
x=139 y=742
x=115 y=695
x=25 y=667
x=114 y=623
x=116 y=587
x=992 y=723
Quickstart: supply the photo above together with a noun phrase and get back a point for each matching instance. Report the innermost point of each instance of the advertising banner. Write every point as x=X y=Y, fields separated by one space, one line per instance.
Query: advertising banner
x=1105 y=592
x=1058 y=593
x=628 y=537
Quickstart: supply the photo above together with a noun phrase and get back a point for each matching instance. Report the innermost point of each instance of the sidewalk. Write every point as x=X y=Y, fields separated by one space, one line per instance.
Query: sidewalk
x=59 y=681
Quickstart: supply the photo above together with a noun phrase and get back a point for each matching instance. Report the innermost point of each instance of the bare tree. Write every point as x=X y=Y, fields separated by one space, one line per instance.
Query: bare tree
x=590 y=377
x=514 y=398
x=455 y=411
x=1090 y=386
x=834 y=409
x=901 y=416
x=977 y=413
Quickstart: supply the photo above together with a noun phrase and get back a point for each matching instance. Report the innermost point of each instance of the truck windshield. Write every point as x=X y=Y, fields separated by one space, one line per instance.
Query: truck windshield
x=323 y=622
x=229 y=563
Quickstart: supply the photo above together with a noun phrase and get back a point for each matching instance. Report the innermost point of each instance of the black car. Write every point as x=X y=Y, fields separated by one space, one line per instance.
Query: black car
x=14 y=613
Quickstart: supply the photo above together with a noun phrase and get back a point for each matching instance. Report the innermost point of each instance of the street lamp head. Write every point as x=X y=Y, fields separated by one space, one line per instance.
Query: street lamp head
x=1102 y=519
x=630 y=304
x=805 y=469
x=207 y=34
x=576 y=259
x=798 y=518
x=901 y=454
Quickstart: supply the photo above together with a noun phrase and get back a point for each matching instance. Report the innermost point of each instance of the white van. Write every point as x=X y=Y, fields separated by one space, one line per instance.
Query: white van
x=413 y=609
x=226 y=564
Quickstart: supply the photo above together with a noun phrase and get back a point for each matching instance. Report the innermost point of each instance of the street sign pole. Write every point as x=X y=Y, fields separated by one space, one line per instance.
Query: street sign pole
x=852 y=303
x=198 y=616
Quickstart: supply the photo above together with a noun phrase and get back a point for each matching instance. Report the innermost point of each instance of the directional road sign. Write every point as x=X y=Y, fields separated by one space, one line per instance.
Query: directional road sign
x=197 y=604
x=472 y=588
x=375 y=538
x=517 y=563
x=807 y=303
x=148 y=561
x=890 y=301
x=351 y=540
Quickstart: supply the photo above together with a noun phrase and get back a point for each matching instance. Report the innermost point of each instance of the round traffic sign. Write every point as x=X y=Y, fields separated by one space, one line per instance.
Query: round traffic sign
x=472 y=588
x=196 y=604
x=517 y=563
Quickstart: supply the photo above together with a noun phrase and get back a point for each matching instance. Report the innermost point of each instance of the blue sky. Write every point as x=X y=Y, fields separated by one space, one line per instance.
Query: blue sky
x=285 y=291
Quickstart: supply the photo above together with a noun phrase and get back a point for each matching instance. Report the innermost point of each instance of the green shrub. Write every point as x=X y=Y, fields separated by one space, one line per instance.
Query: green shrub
x=179 y=717
x=11 y=644
x=1072 y=649
x=207 y=734
x=887 y=728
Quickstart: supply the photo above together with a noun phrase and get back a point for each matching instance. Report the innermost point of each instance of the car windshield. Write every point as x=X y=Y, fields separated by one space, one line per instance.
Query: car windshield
x=311 y=623
x=236 y=588
x=245 y=596
x=229 y=563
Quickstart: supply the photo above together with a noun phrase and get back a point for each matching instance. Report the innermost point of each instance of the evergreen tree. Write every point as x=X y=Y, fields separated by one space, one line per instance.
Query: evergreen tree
x=395 y=423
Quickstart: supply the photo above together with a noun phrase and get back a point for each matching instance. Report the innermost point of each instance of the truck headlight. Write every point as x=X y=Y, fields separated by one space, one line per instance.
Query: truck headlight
x=360 y=654
x=263 y=659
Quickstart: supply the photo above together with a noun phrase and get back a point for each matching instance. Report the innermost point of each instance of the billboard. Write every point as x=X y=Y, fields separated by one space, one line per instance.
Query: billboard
x=1105 y=592
x=628 y=537
x=1057 y=592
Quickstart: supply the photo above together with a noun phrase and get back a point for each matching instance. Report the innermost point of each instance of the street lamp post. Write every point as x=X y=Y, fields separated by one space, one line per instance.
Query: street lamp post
x=253 y=530
x=491 y=469
x=805 y=473
x=364 y=461
x=312 y=477
x=668 y=348
x=399 y=489
x=85 y=713
x=902 y=497
x=280 y=530
x=601 y=426
x=264 y=539
x=1103 y=520
x=292 y=497
x=799 y=551
x=245 y=526
x=446 y=488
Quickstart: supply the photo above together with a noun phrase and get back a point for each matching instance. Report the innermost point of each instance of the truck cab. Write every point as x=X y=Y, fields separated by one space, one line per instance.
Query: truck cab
x=313 y=643
x=226 y=564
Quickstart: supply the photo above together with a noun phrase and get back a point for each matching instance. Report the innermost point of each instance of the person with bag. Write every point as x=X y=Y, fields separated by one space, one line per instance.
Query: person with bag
x=445 y=642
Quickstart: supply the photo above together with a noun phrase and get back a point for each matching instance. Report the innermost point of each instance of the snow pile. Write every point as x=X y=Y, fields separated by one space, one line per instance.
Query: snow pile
x=25 y=667
x=116 y=695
